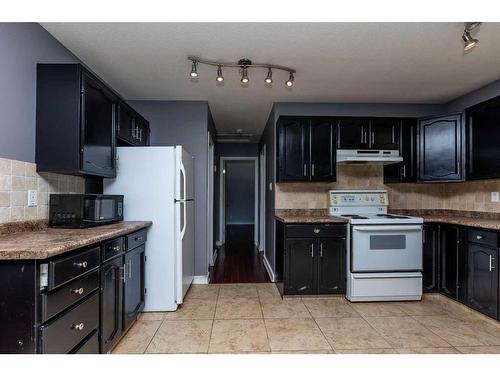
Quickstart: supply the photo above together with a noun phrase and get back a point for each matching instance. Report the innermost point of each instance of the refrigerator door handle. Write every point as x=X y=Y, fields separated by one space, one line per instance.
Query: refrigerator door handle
x=183 y=223
x=183 y=181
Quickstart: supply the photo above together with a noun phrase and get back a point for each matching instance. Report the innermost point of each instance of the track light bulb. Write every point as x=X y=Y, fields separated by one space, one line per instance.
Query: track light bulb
x=269 y=78
x=469 y=41
x=194 y=71
x=289 y=82
x=244 y=75
x=220 y=77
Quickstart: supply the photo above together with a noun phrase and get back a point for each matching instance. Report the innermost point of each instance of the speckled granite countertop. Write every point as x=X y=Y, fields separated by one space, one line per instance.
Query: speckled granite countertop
x=307 y=216
x=485 y=220
x=43 y=242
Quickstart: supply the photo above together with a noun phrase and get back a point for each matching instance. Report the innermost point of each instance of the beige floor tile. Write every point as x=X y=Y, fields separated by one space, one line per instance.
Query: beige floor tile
x=238 y=291
x=367 y=351
x=295 y=334
x=292 y=308
x=238 y=308
x=268 y=291
x=425 y=307
x=210 y=291
x=152 y=316
x=351 y=333
x=405 y=332
x=459 y=333
x=138 y=337
x=330 y=308
x=186 y=336
x=235 y=336
x=378 y=309
x=479 y=349
x=194 y=309
x=449 y=350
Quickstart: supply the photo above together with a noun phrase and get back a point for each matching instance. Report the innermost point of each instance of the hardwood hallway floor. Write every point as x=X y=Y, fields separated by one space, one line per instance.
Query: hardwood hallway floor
x=238 y=260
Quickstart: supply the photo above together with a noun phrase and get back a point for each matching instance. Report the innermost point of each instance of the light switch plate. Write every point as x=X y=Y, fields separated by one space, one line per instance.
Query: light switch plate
x=32 y=198
x=495 y=196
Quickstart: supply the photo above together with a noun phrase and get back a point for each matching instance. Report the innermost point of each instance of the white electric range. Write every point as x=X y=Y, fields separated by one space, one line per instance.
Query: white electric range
x=384 y=252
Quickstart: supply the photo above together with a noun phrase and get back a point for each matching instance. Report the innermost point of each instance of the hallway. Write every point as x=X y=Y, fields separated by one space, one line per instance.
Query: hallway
x=238 y=260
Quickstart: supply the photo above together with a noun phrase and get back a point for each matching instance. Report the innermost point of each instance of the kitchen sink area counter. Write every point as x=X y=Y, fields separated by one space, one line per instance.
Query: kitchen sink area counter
x=38 y=241
x=307 y=216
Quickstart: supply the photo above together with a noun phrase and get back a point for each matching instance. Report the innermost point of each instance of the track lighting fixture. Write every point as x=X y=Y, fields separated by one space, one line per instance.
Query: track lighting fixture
x=220 y=77
x=194 y=70
x=269 y=78
x=243 y=65
x=469 y=41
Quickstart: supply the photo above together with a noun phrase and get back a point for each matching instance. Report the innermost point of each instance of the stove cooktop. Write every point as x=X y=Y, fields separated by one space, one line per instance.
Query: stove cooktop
x=380 y=219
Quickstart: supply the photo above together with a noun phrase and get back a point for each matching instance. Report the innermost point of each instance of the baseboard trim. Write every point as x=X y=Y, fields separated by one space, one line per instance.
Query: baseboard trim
x=197 y=280
x=268 y=269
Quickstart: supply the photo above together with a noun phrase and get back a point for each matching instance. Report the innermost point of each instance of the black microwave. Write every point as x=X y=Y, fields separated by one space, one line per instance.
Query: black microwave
x=84 y=210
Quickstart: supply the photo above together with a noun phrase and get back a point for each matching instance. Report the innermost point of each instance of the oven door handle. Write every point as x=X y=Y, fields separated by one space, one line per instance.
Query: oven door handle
x=386 y=276
x=387 y=228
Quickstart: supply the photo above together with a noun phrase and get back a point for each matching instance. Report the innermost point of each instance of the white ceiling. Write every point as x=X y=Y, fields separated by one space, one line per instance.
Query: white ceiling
x=335 y=62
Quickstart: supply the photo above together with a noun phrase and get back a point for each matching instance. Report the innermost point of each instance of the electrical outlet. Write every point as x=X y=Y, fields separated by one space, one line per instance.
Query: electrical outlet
x=32 y=198
x=495 y=196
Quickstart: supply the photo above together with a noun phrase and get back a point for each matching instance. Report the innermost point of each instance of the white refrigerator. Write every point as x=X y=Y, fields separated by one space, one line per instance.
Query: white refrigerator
x=158 y=185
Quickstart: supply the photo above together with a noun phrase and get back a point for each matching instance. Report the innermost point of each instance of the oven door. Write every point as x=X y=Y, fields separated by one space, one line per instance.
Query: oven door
x=386 y=248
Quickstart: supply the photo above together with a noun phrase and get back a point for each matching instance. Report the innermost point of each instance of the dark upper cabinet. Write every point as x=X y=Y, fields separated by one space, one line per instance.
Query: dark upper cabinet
x=452 y=262
x=299 y=266
x=132 y=128
x=430 y=274
x=406 y=171
x=111 y=303
x=483 y=138
x=322 y=150
x=331 y=265
x=142 y=131
x=293 y=163
x=352 y=133
x=440 y=150
x=482 y=289
x=384 y=133
x=134 y=292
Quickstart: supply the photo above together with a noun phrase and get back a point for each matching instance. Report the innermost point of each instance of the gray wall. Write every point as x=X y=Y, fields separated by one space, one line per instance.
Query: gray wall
x=22 y=46
x=184 y=123
x=240 y=191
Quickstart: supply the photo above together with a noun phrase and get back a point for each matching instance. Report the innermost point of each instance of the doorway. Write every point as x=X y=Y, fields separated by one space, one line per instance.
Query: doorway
x=238 y=259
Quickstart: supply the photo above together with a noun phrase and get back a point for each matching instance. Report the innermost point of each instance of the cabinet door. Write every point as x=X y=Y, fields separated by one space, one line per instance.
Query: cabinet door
x=299 y=266
x=323 y=156
x=384 y=133
x=133 y=299
x=98 y=128
x=142 y=131
x=331 y=265
x=440 y=148
x=430 y=282
x=483 y=279
x=406 y=171
x=293 y=150
x=352 y=133
x=449 y=262
x=111 y=303
x=126 y=124
x=483 y=138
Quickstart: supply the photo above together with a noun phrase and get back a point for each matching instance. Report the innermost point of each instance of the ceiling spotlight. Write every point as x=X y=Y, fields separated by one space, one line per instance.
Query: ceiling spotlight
x=194 y=71
x=469 y=41
x=220 y=77
x=289 y=82
x=269 y=78
x=244 y=75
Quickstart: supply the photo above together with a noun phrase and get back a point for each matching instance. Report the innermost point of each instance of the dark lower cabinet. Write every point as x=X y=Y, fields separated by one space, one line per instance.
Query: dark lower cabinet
x=331 y=265
x=111 y=302
x=430 y=279
x=453 y=262
x=134 y=291
x=299 y=266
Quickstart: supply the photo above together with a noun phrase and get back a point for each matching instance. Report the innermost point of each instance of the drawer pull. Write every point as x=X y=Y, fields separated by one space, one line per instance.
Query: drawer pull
x=116 y=248
x=479 y=237
x=316 y=230
x=81 y=264
x=78 y=327
x=77 y=291
x=138 y=238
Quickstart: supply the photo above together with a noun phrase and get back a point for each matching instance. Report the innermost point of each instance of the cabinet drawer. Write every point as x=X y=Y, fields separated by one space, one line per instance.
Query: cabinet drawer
x=90 y=345
x=136 y=239
x=66 y=269
x=482 y=237
x=56 y=301
x=64 y=333
x=113 y=248
x=319 y=230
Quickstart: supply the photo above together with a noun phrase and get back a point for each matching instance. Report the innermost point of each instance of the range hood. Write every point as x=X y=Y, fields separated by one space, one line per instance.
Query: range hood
x=380 y=157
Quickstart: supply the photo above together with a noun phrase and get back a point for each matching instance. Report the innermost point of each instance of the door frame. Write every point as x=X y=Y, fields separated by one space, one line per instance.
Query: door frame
x=210 y=200
x=222 y=197
x=262 y=201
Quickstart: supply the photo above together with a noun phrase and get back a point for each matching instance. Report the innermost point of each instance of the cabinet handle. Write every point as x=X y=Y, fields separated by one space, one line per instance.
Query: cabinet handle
x=77 y=291
x=404 y=170
x=321 y=249
x=312 y=170
x=479 y=237
x=312 y=250
x=130 y=269
x=81 y=265
x=124 y=269
x=140 y=135
x=138 y=238
x=116 y=248
x=316 y=230
x=305 y=170
x=78 y=327
x=364 y=137
x=373 y=137
x=491 y=263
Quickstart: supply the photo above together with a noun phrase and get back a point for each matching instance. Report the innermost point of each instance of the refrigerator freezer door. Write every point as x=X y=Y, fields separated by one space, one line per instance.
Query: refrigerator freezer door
x=184 y=248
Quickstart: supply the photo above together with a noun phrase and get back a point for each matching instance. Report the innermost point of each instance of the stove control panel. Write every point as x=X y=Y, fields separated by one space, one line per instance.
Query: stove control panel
x=358 y=198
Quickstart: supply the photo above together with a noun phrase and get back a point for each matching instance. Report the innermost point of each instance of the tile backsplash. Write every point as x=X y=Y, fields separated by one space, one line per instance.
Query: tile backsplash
x=17 y=177
x=470 y=195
